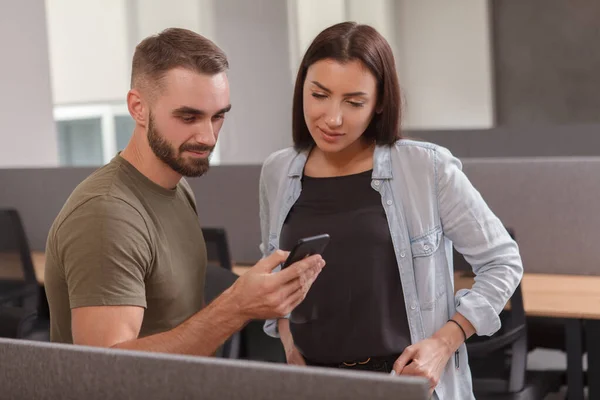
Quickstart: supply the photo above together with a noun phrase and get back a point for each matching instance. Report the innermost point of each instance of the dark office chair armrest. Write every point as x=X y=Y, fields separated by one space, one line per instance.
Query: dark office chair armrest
x=18 y=293
x=218 y=279
x=493 y=344
x=16 y=323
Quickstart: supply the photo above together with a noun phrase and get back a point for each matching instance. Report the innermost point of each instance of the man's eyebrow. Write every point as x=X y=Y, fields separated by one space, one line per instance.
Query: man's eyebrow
x=224 y=110
x=194 y=111
x=188 y=110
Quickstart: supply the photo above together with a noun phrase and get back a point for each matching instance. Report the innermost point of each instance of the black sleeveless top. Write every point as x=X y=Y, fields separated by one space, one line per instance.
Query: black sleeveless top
x=355 y=309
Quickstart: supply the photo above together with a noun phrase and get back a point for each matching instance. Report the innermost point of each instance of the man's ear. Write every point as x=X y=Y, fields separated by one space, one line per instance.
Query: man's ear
x=137 y=107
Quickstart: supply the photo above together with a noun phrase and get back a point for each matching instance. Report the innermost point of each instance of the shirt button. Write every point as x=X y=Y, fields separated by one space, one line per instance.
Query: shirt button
x=403 y=254
x=426 y=247
x=413 y=307
x=389 y=202
x=376 y=183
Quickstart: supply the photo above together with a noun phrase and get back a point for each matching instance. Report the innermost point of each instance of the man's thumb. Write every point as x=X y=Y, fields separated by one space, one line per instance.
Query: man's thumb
x=268 y=264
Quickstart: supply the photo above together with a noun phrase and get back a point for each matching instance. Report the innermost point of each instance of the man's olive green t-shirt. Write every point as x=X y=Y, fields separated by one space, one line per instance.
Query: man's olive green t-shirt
x=122 y=240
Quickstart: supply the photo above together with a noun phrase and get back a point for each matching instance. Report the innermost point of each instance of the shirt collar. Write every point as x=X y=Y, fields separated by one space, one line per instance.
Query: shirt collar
x=382 y=163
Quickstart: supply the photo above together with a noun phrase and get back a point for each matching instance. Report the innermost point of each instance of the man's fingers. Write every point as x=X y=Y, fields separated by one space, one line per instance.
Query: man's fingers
x=310 y=264
x=291 y=287
x=405 y=358
x=268 y=264
x=293 y=300
x=295 y=291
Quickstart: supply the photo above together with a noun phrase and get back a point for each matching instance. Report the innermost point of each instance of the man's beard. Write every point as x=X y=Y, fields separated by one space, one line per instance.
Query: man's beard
x=191 y=167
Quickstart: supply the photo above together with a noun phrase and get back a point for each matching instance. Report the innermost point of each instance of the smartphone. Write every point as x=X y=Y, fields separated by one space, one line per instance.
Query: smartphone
x=307 y=247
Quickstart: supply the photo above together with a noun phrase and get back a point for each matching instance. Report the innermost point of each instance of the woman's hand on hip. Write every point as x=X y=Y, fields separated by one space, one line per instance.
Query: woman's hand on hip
x=426 y=359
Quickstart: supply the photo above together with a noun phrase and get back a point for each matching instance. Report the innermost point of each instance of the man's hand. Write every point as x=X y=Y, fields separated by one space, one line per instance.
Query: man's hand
x=260 y=294
x=426 y=358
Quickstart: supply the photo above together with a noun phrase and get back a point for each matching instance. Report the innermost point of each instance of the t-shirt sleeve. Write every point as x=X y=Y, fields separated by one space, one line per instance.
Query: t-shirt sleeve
x=105 y=248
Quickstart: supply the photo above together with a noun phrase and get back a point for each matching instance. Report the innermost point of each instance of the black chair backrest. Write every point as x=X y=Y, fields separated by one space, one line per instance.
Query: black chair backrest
x=16 y=322
x=217 y=248
x=219 y=277
x=18 y=284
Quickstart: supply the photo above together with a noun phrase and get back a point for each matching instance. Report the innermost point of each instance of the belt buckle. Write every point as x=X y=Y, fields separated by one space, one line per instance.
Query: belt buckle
x=353 y=364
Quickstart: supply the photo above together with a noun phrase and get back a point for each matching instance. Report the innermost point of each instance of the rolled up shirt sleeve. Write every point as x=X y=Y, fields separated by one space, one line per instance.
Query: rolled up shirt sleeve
x=484 y=242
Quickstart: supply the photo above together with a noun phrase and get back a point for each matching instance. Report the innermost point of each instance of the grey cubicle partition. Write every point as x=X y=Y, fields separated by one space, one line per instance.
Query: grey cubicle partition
x=227 y=196
x=552 y=203
x=35 y=370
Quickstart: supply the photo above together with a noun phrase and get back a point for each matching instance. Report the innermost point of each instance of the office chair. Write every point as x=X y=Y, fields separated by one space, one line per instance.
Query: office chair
x=251 y=343
x=17 y=323
x=18 y=284
x=20 y=297
x=217 y=247
x=219 y=277
x=499 y=363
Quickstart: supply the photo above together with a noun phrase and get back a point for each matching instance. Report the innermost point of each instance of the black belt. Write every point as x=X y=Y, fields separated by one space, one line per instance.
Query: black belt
x=385 y=363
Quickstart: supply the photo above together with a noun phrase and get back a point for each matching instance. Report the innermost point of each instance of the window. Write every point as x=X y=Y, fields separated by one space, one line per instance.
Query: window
x=91 y=135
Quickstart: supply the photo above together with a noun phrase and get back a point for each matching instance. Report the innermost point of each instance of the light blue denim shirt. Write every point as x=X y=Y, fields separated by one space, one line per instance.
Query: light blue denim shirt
x=430 y=205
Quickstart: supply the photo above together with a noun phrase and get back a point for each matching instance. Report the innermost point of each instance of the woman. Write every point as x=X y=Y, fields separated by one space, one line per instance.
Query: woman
x=393 y=208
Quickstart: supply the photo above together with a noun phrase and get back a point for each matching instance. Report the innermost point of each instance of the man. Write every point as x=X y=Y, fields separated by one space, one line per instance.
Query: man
x=125 y=257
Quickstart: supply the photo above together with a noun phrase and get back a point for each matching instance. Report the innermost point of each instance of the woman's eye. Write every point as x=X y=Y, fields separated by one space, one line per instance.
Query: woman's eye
x=356 y=104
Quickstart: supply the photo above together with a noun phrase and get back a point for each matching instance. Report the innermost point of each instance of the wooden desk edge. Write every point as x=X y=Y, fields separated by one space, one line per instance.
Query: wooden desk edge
x=461 y=277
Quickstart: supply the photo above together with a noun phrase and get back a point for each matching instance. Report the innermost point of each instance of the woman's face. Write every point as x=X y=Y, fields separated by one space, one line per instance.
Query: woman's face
x=339 y=103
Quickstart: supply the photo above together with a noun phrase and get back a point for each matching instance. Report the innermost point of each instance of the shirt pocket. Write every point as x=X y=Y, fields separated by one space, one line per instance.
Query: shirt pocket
x=428 y=265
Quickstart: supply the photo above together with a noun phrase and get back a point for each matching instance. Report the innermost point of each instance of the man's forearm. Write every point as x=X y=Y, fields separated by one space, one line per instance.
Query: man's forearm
x=200 y=335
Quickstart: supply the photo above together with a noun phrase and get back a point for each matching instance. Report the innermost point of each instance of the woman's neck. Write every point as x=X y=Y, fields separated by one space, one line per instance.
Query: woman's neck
x=355 y=159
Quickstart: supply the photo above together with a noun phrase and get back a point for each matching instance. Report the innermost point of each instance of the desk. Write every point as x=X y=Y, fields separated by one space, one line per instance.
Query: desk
x=554 y=296
x=11 y=267
x=573 y=298
x=39 y=262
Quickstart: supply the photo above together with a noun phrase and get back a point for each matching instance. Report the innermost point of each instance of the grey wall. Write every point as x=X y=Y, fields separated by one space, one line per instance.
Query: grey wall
x=27 y=133
x=547 y=61
x=254 y=34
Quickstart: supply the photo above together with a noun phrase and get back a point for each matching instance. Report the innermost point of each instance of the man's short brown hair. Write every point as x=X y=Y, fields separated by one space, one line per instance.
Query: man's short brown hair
x=175 y=48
